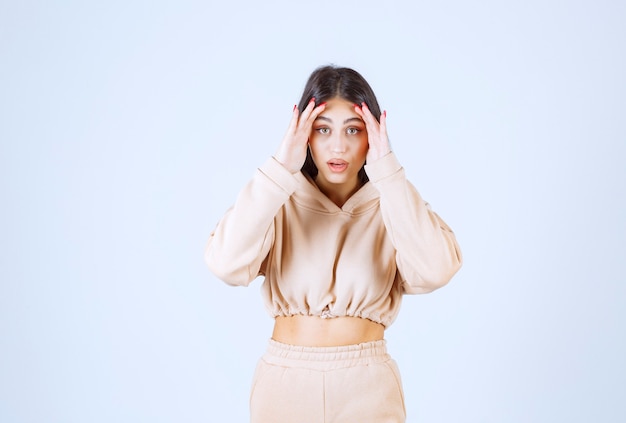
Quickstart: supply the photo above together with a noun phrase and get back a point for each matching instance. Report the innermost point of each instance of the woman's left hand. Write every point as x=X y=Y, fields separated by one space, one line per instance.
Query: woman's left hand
x=376 y=133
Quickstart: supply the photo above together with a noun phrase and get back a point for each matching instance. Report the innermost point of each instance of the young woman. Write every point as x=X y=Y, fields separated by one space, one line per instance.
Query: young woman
x=340 y=235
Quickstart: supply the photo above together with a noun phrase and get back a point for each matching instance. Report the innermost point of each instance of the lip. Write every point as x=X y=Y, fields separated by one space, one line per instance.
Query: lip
x=337 y=165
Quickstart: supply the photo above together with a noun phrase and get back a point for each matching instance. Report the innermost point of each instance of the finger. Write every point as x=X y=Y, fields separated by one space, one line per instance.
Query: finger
x=315 y=113
x=308 y=109
x=368 y=116
x=383 y=122
x=371 y=124
x=293 y=123
x=306 y=122
x=359 y=111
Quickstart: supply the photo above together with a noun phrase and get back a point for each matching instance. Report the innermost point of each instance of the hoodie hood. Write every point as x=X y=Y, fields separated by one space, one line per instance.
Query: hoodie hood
x=308 y=195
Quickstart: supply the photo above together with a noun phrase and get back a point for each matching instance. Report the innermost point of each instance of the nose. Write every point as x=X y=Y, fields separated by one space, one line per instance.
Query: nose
x=338 y=144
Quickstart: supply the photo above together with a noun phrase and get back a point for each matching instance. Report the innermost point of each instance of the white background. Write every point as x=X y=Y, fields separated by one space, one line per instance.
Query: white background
x=128 y=127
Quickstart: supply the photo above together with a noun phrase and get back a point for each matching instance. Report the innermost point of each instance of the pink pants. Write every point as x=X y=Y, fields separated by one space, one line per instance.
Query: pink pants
x=347 y=384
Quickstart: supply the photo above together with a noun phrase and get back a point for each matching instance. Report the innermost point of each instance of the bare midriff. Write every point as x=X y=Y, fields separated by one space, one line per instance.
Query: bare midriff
x=314 y=331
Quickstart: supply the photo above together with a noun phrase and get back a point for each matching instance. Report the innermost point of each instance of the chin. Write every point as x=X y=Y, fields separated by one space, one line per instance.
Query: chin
x=340 y=179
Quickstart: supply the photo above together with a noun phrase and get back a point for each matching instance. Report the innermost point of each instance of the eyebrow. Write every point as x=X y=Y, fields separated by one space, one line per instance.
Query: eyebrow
x=344 y=122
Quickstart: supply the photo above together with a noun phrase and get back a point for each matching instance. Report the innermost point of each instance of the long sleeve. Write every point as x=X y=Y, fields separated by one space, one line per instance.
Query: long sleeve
x=427 y=254
x=242 y=239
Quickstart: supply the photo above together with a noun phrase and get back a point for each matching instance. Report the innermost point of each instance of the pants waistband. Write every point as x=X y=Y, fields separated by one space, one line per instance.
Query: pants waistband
x=326 y=358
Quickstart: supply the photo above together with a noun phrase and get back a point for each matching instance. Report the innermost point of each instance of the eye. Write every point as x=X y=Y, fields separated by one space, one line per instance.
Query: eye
x=352 y=131
x=323 y=131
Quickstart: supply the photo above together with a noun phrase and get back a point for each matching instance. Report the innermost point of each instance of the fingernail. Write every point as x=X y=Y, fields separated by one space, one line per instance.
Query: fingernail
x=385 y=113
x=312 y=99
x=295 y=106
x=363 y=104
x=357 y=106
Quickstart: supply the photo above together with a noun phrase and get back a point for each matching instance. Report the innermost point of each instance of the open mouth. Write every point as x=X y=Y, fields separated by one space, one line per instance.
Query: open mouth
x=337 y=165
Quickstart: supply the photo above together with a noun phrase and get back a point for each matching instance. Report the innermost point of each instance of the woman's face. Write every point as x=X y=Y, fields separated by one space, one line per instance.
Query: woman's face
x=339 y=146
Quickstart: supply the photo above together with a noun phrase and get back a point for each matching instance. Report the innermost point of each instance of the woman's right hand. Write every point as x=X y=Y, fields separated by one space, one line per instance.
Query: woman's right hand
x=292 y=150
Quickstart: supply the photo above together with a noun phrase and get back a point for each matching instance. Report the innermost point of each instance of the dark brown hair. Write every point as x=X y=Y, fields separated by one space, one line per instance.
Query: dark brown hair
x=328 y=82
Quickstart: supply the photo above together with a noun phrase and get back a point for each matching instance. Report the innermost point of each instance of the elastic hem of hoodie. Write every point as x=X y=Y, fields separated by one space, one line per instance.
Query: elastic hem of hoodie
x=327 y=314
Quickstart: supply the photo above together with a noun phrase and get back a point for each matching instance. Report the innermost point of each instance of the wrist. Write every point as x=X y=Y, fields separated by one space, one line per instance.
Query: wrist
x=374 y=155
x=284 y=163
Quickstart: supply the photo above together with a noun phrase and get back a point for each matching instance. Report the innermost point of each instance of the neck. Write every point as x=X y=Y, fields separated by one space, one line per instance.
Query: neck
x=338 y=193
